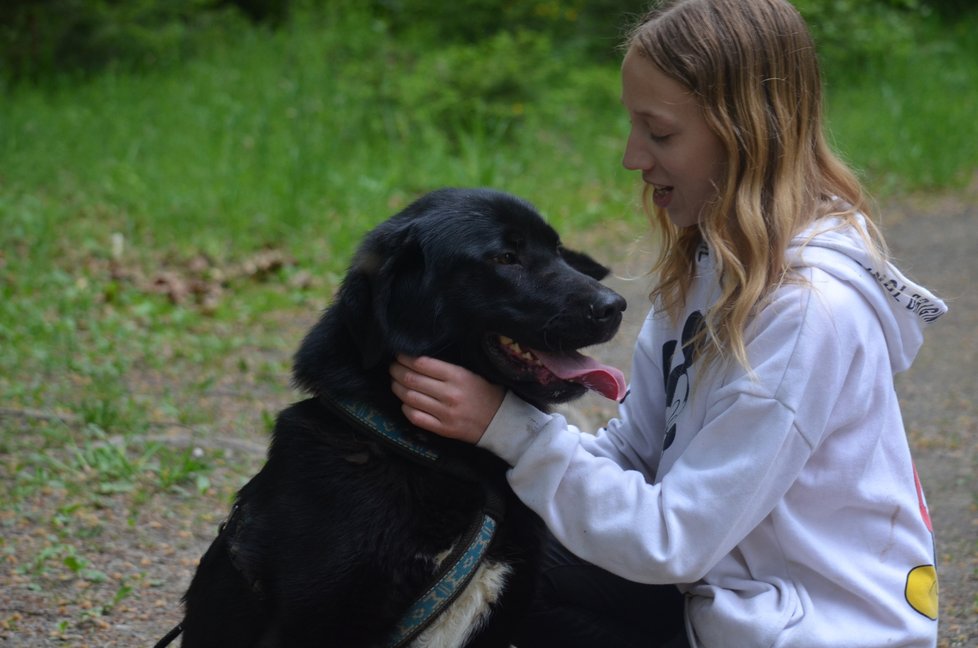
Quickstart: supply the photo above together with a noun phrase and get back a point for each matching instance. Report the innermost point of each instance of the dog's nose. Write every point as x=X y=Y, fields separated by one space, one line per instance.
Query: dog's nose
x=607 y=306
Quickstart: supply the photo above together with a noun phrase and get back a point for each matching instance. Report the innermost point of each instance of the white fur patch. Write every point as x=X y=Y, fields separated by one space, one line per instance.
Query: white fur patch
x=469 y=611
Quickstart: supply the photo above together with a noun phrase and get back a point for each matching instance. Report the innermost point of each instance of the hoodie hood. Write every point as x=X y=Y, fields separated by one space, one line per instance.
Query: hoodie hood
x=903 y=307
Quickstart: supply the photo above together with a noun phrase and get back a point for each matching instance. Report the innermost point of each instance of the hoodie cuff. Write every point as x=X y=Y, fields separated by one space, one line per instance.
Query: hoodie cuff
x=513 y=428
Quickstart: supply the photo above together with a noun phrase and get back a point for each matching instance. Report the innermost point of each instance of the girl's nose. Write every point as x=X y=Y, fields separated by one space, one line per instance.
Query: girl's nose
x=636 y=157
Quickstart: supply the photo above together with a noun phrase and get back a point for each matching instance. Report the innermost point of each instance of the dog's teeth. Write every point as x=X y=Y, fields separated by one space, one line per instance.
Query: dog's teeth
x=524 y=354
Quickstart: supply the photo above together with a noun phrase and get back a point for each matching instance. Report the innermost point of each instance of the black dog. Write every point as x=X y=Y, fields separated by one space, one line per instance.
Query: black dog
x=344 y=530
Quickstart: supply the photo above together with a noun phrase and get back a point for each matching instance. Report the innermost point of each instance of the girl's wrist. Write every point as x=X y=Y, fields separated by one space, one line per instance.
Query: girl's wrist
x=513 y=428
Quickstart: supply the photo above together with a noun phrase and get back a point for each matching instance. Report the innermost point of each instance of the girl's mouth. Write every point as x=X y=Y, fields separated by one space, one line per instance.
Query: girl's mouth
x=661 y=196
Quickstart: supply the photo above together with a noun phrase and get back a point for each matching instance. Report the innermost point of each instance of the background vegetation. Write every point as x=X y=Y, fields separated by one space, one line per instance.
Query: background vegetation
x=182 y=182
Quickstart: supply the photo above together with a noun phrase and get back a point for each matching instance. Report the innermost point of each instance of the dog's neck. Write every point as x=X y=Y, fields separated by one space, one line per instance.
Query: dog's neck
x=331 y=361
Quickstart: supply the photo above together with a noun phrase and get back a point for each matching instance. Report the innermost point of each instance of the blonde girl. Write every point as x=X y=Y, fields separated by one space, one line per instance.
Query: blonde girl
x=757 y=487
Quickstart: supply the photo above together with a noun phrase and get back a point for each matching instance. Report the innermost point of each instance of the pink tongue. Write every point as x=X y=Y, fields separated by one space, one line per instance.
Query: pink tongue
x=576 y=367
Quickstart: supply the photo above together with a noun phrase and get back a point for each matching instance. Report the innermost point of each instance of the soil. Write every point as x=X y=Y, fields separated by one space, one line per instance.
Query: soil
x=142 y=555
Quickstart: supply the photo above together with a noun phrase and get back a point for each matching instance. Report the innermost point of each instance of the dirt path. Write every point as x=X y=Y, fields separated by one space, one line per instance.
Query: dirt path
x=146 y=560
x=939 y=402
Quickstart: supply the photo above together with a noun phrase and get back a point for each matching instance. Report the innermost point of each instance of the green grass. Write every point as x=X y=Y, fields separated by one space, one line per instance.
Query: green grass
x=908 y=121
x=288 y=141
x=131 y=204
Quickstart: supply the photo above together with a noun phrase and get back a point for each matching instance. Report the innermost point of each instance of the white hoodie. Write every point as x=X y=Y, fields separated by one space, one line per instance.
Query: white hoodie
x=785 y=504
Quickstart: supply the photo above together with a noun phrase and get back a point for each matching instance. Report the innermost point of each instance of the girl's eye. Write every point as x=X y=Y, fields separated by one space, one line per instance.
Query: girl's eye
x=505 y=258
x=658 y=138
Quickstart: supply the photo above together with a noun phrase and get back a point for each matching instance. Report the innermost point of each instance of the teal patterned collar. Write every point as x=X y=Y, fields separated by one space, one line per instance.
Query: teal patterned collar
x=401 y=436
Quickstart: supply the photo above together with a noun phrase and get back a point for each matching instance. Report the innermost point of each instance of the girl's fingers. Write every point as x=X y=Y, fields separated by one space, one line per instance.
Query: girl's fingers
x=412 y=380
x=444 y=398
x=412 y=396
x=433 y=368
x=422 y=419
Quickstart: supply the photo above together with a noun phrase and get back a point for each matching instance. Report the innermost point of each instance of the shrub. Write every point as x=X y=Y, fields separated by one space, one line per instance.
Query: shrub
x=482 y=85
x=38 y=39
x=850 y=33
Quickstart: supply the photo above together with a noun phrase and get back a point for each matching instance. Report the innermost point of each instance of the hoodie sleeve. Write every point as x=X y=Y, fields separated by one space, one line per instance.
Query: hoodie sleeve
x=634 y=439
x=758 y=431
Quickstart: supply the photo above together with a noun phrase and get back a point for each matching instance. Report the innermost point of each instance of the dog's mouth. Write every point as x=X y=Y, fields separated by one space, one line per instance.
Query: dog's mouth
x=546 y=368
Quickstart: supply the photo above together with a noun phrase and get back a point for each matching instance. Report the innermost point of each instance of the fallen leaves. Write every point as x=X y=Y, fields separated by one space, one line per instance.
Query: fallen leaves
x=201 y=281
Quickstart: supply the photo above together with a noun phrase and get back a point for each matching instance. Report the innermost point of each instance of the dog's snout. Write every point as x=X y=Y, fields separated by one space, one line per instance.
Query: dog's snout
x=607 y=306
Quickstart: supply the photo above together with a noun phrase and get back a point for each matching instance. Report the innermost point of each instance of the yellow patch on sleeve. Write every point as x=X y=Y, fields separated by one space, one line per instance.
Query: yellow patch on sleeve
x=922 y=590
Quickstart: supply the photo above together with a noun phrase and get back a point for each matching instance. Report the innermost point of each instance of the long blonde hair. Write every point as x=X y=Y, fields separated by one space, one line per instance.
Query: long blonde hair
x=752 y=66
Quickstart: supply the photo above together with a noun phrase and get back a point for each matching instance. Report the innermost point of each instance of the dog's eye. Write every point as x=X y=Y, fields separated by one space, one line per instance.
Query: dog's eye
x=505 y=258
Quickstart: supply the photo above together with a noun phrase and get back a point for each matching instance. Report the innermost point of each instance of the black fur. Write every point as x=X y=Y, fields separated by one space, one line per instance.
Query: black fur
x=335 y=536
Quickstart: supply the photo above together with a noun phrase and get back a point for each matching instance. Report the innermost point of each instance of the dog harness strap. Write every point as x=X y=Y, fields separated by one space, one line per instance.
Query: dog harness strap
x=400 y=436
x=459 y=570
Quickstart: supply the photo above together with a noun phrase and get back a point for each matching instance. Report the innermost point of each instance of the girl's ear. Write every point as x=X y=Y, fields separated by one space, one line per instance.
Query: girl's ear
x=584 y=264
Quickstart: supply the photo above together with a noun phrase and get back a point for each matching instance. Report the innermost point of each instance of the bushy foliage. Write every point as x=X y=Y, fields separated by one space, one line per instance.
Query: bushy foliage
x=592 y=27
x=463 y=86
x=38 y=39
x=854 y=32
x=951 y=9
x=470 y=86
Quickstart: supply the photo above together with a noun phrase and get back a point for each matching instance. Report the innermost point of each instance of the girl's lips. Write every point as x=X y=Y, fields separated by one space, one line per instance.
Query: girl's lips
x=661 y=196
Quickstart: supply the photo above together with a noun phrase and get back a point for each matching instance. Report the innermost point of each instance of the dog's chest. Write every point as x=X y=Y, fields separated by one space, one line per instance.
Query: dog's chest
x=466 y=615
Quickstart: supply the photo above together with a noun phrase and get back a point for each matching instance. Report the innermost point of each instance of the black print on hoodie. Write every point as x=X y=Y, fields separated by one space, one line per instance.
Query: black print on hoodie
x=676 y=378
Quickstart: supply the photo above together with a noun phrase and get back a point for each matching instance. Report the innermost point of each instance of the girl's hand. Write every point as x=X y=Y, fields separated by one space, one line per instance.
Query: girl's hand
x=444 y=398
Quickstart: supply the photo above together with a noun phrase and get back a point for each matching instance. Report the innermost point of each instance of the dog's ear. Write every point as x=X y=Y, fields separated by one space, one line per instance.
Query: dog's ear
x=584 y=263
x=349 y=313
x=408 y=307
x=356 y=304
x=390 y=306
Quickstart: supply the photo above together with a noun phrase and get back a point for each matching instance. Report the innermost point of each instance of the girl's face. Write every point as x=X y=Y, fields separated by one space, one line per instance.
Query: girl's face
x=670 y=141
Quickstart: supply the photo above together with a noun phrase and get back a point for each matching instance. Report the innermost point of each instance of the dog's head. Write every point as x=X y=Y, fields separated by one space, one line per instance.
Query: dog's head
x=476 y=277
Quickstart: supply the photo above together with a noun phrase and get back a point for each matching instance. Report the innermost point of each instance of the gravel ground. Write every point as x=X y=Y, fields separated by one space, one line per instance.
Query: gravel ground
x=146 y=559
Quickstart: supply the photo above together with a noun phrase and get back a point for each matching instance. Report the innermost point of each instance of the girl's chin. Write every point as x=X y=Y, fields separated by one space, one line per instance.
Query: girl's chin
x=680 y=218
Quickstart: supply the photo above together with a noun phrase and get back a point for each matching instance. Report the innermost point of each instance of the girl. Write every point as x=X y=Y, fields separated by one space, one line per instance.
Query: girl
x=760 y=463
